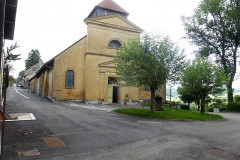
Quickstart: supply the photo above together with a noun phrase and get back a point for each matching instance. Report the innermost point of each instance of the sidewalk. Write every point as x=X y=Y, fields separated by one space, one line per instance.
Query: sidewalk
x=104 y=107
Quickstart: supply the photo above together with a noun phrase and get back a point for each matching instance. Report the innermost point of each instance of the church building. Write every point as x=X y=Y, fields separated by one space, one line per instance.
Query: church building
x=85 y=70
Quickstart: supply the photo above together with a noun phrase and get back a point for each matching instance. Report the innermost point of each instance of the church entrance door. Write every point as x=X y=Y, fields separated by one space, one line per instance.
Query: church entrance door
x=115 y=94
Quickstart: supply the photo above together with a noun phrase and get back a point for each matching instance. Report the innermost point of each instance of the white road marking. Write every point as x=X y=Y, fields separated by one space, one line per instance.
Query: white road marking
x=21 y=94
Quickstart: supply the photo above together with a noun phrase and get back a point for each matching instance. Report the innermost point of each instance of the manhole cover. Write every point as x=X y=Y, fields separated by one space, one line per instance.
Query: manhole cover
x=54 y=141
x=217 y=152
x=28 y=153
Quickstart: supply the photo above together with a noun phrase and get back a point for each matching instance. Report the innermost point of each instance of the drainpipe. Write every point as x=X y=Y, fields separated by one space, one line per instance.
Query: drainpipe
x=38 y=89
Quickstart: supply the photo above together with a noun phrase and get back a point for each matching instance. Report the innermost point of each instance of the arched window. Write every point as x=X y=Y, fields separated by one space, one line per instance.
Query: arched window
x=114 y=44
x=69 y=79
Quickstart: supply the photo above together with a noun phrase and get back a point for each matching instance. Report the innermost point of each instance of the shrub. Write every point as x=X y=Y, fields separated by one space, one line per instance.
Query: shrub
x=217 y=103
x=185 y=107
x=210 y=109
x=233 y=106
x=237 y=98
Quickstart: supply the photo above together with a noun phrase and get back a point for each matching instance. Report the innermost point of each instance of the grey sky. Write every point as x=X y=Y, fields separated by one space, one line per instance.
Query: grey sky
x=52 y=25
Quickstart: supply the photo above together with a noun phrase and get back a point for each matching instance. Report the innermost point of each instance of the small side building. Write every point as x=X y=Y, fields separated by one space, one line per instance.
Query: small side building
x=85 y=70
x=29 y=73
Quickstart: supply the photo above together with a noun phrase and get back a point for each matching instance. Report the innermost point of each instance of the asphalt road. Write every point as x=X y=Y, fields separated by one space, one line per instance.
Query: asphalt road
x=93 y=132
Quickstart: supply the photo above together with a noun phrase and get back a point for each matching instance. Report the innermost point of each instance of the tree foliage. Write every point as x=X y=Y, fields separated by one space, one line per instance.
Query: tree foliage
x=11 y=80
x=150 y=61
x=237 y=98
x=9 y=56
x=215 y=28
x=202 y=78
x=33 y=58
x=21 y=74
x=187 y=97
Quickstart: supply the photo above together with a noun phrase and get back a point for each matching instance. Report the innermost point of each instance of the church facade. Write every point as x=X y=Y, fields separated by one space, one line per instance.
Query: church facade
x=85 y=70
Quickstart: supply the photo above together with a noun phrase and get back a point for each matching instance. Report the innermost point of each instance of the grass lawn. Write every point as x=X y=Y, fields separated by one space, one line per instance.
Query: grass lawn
x=169 y=113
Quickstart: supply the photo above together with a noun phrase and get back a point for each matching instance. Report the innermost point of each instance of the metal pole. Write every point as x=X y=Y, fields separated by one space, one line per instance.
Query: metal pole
x=170 y=94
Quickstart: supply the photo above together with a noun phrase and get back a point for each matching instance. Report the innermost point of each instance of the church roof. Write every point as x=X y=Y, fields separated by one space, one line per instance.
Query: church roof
x=110 y=4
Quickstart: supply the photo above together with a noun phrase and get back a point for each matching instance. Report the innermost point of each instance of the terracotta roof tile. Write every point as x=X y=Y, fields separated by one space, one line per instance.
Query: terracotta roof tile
x=109 y=4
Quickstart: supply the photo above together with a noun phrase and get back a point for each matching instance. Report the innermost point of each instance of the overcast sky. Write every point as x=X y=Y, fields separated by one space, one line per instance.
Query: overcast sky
x=52 y=25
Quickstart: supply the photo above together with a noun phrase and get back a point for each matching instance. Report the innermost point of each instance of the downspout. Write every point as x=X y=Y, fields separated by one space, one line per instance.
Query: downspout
x=52 y=81
x=38 y=89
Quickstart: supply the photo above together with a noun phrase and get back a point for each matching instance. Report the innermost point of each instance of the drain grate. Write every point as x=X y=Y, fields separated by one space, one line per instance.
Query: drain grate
x=54 y=141
x=217 y=152
x=29 y=153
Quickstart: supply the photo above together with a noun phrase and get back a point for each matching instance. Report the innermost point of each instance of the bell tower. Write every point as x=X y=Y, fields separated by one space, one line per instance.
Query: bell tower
x=107 y=7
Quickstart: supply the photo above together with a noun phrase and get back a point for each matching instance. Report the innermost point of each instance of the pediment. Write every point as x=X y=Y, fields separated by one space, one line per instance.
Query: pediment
x=109 y=64
x=114 y=20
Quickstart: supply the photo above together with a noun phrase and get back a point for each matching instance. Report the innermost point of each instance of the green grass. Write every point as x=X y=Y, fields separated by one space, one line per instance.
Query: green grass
x=147 y=104
x=169 y=113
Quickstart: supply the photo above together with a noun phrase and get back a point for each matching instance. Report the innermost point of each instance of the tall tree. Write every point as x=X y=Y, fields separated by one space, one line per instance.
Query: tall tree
x=33 y=58
x=9 y=56
x=150 y=61
x=203 y=78
x=215 y=28
x=21 y=74
x=11 y=80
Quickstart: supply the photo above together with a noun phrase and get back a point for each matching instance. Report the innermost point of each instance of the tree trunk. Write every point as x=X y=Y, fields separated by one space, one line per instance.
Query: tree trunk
x=153 y=103
x=203 y=104
x=230 y=92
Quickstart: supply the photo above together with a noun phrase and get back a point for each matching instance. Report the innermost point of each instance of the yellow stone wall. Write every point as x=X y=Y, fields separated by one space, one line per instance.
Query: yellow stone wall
x=50 y=83
x=146 y=95
x=47 y=82
x=100 y=36
x=71 y=59
x=33 y=85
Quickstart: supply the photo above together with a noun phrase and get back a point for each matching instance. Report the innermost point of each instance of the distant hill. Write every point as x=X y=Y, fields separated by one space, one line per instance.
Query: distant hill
x=174 y=94
x=236 y=90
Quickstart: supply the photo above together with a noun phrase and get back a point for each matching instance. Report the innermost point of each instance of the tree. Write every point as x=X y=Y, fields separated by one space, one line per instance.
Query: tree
x=21 y=74
x=9 y=56
x=11 y=80
x=150 y=62
x=237 y=98
x=203 y=78
x=33 y=58
x=187 y=97
x=215 y=28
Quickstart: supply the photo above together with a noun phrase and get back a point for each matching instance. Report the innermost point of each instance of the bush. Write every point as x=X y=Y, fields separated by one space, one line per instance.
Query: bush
x=210 y=109
x=185 y=107
x=218 y=103
x=193 y=108
x=234 y=106
x=237 y=98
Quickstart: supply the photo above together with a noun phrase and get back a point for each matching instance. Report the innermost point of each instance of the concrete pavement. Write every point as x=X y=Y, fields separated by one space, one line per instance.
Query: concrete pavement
x=93 y=133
